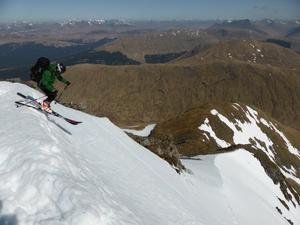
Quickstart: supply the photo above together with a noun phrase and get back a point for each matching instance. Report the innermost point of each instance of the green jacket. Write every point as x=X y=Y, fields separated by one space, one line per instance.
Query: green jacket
x=49 y=76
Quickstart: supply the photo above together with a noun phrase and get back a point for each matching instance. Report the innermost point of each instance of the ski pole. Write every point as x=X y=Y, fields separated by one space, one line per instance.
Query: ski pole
x=33 y=100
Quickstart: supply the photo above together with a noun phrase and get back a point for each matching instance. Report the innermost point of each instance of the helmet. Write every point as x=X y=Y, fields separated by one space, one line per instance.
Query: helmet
x=60 y=68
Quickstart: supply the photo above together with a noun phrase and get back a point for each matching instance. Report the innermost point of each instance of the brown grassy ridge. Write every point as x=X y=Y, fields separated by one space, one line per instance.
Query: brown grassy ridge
x=246 y=50
x=151 y=43
x=131 y=95
x=191 y=141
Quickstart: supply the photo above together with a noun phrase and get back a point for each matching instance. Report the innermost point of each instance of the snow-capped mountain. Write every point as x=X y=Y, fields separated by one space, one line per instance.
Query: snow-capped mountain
x=52 y=172
x=87 y=22
x=28 y=25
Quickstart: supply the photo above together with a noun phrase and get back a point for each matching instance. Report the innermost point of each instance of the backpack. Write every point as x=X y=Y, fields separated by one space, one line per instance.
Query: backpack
x=39 y=67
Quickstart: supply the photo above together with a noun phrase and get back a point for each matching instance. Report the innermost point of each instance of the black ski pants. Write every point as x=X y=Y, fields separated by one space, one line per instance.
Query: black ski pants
x=50 y=95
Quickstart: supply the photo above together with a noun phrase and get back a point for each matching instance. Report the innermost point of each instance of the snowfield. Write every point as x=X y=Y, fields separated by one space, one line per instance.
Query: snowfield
x=54 y=173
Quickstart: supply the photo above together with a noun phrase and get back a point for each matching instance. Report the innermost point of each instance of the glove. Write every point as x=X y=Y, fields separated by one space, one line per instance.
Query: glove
x=68 y=83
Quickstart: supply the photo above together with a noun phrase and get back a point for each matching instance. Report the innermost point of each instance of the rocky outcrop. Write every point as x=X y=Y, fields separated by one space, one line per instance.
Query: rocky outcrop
x=164 y=147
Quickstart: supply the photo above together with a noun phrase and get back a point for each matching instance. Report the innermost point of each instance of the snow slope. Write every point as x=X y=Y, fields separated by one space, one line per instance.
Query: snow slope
x=54 y=173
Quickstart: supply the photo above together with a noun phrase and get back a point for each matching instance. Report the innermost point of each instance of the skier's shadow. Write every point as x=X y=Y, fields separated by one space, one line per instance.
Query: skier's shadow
x=60 y=127
x=7 y=219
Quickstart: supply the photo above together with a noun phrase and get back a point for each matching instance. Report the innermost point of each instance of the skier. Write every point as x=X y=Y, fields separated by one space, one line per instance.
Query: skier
x=49 y=75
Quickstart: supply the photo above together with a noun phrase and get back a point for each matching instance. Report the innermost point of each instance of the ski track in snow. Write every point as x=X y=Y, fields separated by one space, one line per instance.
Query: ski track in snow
x=54 y=173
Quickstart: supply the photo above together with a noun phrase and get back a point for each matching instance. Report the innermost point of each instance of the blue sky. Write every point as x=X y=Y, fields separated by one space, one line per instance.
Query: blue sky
x=11 y=10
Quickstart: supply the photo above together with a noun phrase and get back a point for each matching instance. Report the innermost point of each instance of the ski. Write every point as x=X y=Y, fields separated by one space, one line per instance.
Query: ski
x=31 y=100
x=18 y=104
x=73 y=122
x=23 y=96
x=38 y=107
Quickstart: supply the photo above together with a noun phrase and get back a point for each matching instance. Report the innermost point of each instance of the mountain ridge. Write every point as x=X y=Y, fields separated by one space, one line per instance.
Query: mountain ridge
x=165 y=91
x=247 y=50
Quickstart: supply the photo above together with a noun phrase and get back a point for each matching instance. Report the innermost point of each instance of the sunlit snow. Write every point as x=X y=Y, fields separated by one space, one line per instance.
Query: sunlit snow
x=245 y=132
x=207 y=128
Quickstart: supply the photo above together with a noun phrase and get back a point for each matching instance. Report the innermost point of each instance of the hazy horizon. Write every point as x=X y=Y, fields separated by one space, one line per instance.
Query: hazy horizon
x=55 y=10
x=64 y=20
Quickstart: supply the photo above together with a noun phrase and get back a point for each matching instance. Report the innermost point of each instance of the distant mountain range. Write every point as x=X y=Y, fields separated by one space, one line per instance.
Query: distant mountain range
x=131 y=42
x=26 y=26
x=239 y=24
x=161 y=44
